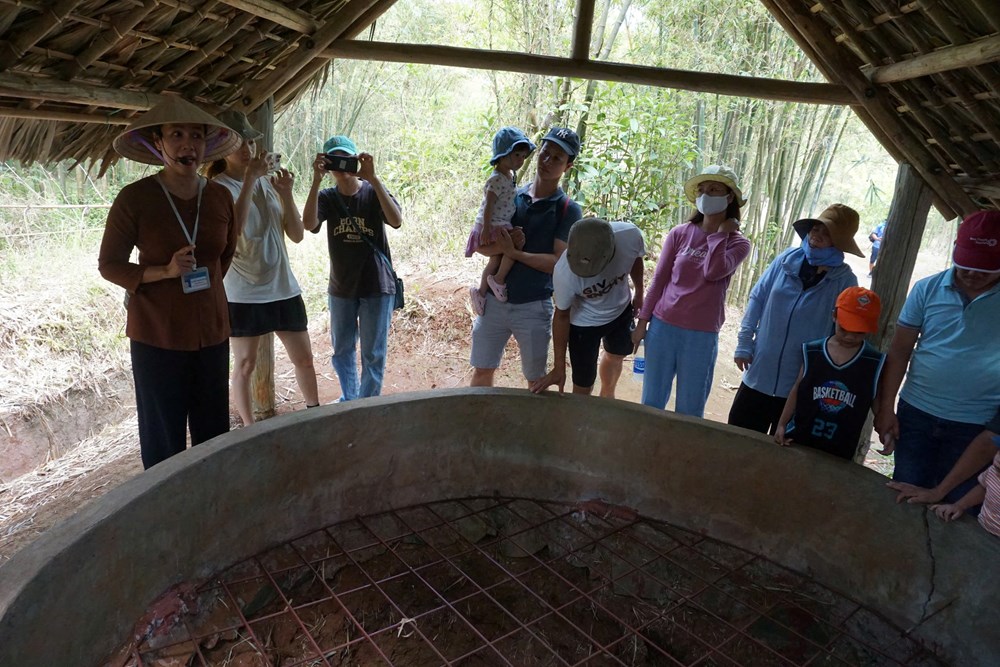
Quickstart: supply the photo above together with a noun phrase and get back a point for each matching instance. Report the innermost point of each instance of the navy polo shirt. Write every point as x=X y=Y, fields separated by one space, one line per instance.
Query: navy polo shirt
x=543 y=222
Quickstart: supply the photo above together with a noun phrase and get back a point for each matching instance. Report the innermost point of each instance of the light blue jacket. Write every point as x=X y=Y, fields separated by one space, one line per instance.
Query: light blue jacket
x=781 y=316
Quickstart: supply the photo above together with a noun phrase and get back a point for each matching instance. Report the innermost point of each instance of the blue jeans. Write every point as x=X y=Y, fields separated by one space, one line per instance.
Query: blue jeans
x=371 y=316
x=687 y=354
x=929 y=447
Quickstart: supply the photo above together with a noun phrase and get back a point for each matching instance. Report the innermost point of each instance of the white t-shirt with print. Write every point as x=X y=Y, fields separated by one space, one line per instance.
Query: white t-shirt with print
x=503 y=209
x=600 y=299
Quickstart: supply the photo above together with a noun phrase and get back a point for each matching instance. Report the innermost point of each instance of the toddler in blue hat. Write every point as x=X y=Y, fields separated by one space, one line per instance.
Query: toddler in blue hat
x=511 y=147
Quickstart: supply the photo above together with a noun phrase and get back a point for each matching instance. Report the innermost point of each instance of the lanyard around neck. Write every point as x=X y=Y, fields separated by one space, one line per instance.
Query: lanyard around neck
x=197 y=216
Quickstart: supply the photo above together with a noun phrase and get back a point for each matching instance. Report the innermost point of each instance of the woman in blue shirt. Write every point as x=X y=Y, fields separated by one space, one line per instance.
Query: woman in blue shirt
x=791 y=305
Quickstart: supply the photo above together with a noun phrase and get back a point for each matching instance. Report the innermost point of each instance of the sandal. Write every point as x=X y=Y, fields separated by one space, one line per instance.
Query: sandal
x=477 y=300
x=499 y=289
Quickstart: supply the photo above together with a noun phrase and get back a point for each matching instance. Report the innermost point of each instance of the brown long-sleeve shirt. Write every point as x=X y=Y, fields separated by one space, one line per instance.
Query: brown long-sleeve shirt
x=160 y=313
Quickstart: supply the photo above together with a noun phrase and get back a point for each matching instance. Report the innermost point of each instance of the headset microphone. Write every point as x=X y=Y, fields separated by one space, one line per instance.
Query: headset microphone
x=187 y=160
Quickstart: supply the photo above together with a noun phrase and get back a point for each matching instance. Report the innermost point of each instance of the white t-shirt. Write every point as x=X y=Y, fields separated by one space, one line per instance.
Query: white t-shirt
x=600 y=299
x=503 y=209
x=260 y=272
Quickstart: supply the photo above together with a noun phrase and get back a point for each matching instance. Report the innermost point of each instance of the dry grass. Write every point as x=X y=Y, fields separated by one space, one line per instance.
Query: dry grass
x=63 y=331
x=32 y=503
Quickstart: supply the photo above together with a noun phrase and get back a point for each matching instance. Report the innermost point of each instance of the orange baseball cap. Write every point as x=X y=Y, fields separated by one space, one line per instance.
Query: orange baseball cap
x=858 y=310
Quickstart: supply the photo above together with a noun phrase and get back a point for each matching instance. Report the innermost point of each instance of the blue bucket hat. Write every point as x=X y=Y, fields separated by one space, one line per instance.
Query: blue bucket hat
x=341 y=144
x=506 y=140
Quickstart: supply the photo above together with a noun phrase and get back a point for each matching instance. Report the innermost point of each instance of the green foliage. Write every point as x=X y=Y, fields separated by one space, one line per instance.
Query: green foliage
x=639 y=145
x=429 y=128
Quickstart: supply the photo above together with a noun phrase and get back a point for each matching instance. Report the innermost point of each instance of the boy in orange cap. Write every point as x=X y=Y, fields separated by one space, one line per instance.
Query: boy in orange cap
x=829 y=403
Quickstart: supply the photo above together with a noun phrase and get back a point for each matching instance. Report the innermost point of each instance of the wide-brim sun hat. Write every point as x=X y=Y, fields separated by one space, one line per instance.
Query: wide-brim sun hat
x=718 y=174
x=136 y=142
x=977 y=244
x=237 y=120
x=506 y=141
x=842 y=221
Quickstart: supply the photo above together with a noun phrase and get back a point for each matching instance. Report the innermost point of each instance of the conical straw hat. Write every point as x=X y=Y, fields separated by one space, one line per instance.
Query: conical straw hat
x=134 y=143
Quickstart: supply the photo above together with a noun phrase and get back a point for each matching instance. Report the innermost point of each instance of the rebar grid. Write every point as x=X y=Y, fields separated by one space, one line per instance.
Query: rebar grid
x=511 y=581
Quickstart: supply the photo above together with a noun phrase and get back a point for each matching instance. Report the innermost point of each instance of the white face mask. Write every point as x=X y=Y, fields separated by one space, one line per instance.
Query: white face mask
x=709 y=205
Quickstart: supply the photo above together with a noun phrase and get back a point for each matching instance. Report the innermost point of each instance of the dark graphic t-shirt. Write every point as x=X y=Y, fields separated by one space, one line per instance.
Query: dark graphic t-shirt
x=354 y=270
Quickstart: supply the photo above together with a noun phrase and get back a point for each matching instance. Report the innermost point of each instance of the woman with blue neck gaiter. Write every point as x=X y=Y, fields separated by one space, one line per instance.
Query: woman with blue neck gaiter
x=791 y=305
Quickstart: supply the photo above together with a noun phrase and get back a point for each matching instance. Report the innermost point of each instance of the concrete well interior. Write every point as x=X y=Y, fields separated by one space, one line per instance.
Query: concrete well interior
x=75 y=594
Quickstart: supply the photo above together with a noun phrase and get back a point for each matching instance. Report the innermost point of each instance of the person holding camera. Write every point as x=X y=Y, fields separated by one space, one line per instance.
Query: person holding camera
x=263 y=295
x=362 y=285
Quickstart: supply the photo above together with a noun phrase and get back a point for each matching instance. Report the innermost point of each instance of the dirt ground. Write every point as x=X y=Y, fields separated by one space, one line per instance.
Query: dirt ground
x=428 y=349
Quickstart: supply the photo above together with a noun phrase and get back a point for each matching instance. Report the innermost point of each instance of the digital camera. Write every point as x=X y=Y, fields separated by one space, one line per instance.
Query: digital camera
x=273 y=161
x=335 y=162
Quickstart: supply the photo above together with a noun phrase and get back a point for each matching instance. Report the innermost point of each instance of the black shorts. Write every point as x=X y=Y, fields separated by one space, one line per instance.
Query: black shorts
x=585 y=345
x=257 y=319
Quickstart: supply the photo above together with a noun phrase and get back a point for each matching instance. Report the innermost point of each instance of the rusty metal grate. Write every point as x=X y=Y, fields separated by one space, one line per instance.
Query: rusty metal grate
x=504 y=581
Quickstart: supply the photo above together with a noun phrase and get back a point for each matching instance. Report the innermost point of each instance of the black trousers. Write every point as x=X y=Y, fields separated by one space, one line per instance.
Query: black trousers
x=175 y=390
x=755 y=410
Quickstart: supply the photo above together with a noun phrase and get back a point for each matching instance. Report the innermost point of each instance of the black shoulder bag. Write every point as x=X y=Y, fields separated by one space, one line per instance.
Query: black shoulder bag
x=379 y=255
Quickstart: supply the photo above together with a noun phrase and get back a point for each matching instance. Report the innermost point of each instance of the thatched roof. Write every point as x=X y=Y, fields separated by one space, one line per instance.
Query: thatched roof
x=922 y=74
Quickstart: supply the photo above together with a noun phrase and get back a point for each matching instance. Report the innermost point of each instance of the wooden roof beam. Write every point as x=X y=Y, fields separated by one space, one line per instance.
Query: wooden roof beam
x=972 y=54
x=582 y=30
x=367 y=19
x=307 y=51
x=12 y=50
x=64 y=116
x=277 y=13
x=20 y=86
x=508 y=61
x=875 y=108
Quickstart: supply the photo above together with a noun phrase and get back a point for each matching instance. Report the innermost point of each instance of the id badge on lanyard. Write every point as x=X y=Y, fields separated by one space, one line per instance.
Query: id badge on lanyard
x=197 y=278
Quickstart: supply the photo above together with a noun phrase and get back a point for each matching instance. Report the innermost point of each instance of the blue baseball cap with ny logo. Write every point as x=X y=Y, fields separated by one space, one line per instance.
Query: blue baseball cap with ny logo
x=566 y=139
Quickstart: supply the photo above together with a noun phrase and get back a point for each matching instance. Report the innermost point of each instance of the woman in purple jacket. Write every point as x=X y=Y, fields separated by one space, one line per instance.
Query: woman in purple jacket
x=684 y=307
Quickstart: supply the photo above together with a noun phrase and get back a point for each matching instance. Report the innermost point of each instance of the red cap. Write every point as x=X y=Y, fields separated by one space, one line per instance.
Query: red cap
x=977 y=246
x=858 y=310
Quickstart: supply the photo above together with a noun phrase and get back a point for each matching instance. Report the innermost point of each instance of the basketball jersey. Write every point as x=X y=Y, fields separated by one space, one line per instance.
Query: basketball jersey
x=832 y=402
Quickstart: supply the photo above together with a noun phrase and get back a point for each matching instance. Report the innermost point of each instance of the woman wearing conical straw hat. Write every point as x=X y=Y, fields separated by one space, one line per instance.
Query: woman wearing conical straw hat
x=183 y=226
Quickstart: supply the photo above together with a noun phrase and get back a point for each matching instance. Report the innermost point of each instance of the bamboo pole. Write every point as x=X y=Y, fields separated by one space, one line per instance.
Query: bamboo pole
x=13 y=49
x=277 y=13
x=191 y=60
x=584 y=26
x=107 y=39
x=24 y=86
x=703 y=82
x=980 y=52
x=65 y=116
x=880 y=111
x=333 y=29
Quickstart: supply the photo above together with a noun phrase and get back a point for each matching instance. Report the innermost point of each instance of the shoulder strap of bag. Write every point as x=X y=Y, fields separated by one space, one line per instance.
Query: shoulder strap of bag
x=346 y=213
x=561 y=213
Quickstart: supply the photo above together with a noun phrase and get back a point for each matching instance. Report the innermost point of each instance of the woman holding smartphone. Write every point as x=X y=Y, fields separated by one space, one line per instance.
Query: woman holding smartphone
x=263 y=295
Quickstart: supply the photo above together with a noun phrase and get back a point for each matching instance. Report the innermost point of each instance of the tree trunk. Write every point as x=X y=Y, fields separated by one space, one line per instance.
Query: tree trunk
x=911 y=201
x=262 y=380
